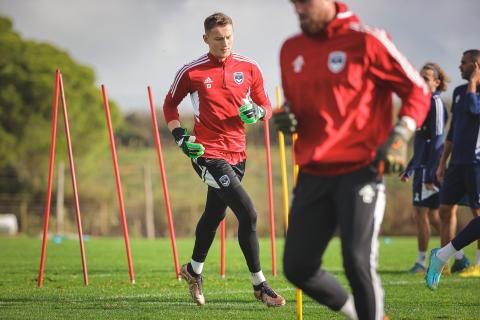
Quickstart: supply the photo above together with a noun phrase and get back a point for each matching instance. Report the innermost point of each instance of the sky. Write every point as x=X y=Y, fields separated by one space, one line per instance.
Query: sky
x=132 y=44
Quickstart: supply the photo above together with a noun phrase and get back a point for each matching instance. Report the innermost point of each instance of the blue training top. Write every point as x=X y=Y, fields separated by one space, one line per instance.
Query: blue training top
x=465 y=128
x=429 y=138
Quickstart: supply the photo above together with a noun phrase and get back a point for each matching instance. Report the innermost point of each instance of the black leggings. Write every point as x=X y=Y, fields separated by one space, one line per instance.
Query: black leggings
x=225 y=190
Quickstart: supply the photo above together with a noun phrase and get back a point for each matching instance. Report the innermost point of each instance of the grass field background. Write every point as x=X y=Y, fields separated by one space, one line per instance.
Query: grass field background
x=158 y=295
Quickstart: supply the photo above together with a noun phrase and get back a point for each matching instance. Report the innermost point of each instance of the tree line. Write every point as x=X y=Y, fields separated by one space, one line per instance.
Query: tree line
x=27 y=81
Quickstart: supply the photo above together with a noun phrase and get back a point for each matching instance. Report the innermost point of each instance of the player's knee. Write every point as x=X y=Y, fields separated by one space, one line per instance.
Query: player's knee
x=209 y=222
x=248 y=223
x=446 y=215
x=296 y=272
x=253 y=218
x=295 y=275
x=422 y=220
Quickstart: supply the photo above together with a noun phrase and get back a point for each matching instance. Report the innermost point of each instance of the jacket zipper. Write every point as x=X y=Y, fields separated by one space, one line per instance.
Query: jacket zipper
x=223 y=74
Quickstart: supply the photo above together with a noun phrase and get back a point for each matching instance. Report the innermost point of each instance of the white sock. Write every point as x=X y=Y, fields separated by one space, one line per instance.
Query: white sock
x=477 y=259
x=421 y=257
x=197 y=266
x=348 y=309
x=459 y=255
x=446 y=252
x=258 y=278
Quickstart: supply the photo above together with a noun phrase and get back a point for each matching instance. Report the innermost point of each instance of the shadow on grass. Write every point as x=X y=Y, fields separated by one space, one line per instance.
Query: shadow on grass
x=128 y=302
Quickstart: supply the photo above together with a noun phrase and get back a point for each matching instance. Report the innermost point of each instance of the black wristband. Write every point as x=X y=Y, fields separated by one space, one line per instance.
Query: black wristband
x=178 y=133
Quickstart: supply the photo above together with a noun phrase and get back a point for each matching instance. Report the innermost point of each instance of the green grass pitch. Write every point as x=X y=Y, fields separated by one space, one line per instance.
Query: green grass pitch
x=158 y=295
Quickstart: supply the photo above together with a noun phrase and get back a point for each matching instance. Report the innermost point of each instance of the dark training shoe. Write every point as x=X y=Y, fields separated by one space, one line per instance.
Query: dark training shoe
x=417 y=269
x=264 y=293
x=460 y=265
x=194 y=285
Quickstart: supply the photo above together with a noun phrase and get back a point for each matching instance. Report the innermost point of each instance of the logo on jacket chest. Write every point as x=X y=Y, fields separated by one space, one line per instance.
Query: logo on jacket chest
x=337 y=61
x=238 y=77
x=457 y=99
x=298 y=64
x=208 y=82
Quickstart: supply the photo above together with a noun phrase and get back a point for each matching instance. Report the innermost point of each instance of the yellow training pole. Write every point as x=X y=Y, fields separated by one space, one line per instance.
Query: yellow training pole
x=283 y=165
x=295 y=178
x=295 y=165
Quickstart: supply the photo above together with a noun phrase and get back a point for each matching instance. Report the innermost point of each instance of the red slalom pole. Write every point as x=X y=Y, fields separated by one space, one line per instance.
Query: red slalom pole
x=270 y=198
x=119 y=184
x=50 y=179
x=222 y=248
x=74 y=182
x=164 y=183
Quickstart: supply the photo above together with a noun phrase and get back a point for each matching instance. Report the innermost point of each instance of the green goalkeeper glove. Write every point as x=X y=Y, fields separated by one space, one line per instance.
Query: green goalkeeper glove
x=186 y=142
x=251 y=112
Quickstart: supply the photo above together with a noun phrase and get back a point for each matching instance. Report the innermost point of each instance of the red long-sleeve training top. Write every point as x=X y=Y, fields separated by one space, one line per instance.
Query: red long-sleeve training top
x=217 y=89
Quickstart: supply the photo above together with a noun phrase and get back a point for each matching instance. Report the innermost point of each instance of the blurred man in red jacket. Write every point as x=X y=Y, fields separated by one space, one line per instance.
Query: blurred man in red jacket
x=338 y=78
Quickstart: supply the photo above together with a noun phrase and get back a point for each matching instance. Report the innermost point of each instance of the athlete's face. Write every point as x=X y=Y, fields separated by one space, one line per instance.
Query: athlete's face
x=314 y=15
x=220 y=41
x=467 y=65
x=429 y=77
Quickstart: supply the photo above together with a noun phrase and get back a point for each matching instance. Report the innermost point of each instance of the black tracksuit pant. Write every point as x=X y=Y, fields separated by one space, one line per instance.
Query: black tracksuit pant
x=225 y=190
x=354 y=203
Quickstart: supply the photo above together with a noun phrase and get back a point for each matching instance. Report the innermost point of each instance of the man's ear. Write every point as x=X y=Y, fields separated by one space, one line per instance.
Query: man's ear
x=205 y=37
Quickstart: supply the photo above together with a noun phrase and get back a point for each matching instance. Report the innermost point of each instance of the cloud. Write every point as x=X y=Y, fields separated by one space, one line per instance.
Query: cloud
x=135 y=43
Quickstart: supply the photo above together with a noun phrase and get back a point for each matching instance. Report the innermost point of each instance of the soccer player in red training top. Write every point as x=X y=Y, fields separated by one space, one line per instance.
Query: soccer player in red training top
x=338 y=77
x=227 y=93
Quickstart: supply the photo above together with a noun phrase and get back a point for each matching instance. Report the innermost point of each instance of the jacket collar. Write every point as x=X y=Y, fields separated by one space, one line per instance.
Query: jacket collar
x=342 y=20
x=215 y=60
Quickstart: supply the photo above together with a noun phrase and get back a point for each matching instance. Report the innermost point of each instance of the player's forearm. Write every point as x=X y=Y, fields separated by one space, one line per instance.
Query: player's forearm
x=474 y=81
x=473 y=102
x=173 y=124
x=472 y=86
x=435 y=151
x=447 y=149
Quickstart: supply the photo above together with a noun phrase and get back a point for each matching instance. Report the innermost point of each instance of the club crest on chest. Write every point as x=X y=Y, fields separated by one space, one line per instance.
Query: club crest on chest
x=238 y=77
x=337 y=61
